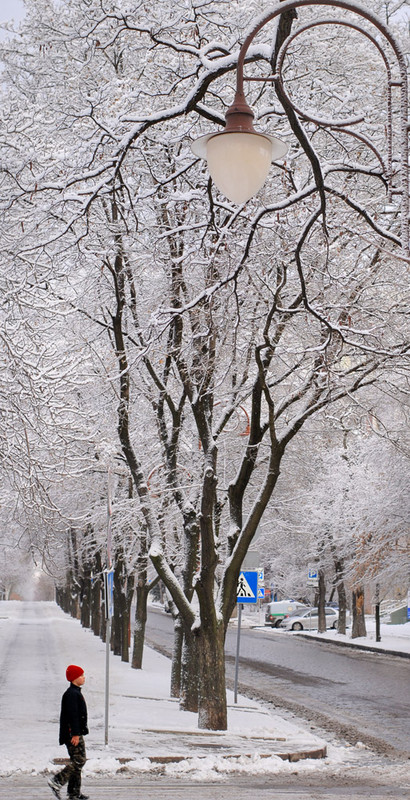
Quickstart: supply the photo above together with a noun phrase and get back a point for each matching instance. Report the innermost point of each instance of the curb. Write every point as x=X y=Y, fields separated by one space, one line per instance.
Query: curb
x=369 y=647
x=317 y=753
x=337 y=642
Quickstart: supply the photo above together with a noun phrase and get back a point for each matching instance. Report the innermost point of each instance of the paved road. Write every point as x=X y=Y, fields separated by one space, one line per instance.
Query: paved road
x=29 y=651
x=291 y=787
x=361 y=696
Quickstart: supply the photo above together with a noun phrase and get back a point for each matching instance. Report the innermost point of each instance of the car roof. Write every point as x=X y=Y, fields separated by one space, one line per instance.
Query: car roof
x=304 y=612
x=300 y=612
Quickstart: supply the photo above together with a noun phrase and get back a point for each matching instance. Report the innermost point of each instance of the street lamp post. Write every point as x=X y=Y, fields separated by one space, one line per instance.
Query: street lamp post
x=239 y=156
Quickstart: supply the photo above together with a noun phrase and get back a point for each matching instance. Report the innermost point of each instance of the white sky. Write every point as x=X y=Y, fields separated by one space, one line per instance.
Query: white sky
x=14 y=10
x=11 y=10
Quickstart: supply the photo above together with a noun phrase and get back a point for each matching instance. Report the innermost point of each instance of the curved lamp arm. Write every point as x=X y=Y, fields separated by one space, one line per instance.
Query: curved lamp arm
x=239 y=157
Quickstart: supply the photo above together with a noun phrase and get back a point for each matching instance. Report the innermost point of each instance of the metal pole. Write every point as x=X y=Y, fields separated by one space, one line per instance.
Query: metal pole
x=109 y=515
x=378 y=636
x=238 y=639
x=108 y=609
x=107 y=676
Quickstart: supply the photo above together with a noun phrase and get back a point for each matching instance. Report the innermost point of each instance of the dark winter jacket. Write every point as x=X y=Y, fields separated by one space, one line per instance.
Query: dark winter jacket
x=73 y=717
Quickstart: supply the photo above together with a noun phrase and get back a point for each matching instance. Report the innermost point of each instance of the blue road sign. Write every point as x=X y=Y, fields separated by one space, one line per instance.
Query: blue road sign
x=247 y=591
x=109 y=593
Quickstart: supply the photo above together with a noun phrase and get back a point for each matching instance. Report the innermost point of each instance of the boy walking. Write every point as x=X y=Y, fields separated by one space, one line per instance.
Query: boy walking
x=73 y=727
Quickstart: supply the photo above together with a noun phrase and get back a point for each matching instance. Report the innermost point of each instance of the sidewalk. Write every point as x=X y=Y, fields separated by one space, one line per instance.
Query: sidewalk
x=145 y=726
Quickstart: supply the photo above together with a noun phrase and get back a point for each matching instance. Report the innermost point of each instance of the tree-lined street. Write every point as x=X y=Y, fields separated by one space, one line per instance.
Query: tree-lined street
x=204 y=338
x=36 y=640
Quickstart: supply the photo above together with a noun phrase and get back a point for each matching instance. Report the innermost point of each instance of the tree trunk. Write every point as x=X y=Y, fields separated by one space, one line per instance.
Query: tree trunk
x=126 y=623
x=103 y=630
x=74 y=600
x=189 y=659
x=176 y=668
x=189 y=672
x=86 y=599
x=321 y=603
x=212 y=711
x=140 y=622
x=341 y=595
x=119 y=608
x=96 y=598
x=64 y=595
x=75 y=572
x=358 y=623
x=125 y=636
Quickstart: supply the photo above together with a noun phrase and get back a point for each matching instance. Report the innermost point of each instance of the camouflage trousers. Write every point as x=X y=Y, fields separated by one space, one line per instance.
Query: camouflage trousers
x=71 y=774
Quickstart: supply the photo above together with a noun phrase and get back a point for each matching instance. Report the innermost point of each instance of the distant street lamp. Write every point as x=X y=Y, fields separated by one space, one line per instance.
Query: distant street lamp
x=239 y=157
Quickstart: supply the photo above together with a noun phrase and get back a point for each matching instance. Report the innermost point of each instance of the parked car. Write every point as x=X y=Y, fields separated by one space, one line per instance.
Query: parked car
x=278 y=609
x=309 y=620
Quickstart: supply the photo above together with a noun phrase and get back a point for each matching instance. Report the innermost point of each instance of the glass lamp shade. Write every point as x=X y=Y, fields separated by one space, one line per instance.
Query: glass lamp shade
x=239 y=162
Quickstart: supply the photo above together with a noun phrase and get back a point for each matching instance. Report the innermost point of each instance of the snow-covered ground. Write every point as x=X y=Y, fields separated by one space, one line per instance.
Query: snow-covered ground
x=37 y=641
x=394 y=638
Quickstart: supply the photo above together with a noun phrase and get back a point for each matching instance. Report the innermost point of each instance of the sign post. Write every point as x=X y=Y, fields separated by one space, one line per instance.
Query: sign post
x=238 y=639
x=313 y=577
x=109 y=605
x=109 y=608
x=247 y=592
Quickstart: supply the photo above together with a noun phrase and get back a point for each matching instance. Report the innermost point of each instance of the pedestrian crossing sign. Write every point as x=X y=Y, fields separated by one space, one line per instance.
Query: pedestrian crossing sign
x=247 y=591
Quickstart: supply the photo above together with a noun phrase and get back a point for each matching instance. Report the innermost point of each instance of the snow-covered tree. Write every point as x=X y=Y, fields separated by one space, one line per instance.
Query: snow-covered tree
x=196 y=312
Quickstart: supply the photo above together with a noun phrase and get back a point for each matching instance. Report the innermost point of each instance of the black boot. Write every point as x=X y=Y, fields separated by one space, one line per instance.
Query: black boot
x=55 y=787
x=78 y=797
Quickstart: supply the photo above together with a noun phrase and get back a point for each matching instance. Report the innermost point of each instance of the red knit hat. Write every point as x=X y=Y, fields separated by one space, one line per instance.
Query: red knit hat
x=73 y=672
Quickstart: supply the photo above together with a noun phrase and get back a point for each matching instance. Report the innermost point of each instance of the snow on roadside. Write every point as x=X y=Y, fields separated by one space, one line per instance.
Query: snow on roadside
x=394 y=638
